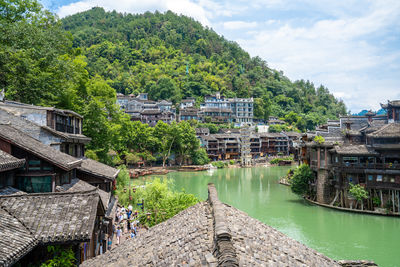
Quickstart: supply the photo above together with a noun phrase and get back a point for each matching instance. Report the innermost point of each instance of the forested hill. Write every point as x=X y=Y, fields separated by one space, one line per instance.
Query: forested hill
x=172 y=57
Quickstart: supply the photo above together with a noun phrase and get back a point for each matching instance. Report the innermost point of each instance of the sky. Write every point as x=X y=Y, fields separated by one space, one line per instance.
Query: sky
x=351 y=47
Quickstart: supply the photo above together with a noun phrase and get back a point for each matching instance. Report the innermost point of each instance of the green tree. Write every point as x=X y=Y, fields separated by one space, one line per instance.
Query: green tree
x=200 y=157
x=359 y=193
x=187 y=141
x=300 y=182
x=167 y=136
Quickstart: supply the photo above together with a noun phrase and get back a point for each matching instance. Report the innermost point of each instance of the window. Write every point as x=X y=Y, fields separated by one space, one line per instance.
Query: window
x=65 y=178
x=379 y=178
x=35 y=184
x=34 y=165
x=370 y=177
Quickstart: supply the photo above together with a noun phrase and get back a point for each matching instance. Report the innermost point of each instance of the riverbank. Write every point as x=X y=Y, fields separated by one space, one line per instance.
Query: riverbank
x=136 y=173
x=370 y=212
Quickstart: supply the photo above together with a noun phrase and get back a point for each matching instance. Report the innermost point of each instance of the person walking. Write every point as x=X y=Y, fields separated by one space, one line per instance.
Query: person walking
x=119 y=233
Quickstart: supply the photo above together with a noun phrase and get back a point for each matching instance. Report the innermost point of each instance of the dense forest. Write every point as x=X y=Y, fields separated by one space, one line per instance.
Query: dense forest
x=81 y=61
x=173 y=57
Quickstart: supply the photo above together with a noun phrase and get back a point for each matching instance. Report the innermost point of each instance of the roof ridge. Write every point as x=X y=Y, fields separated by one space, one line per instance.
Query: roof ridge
x=90 y=191
x=21 y=222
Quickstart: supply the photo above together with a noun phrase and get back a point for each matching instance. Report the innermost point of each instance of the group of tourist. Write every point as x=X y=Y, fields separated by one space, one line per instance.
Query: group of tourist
x=125 y=223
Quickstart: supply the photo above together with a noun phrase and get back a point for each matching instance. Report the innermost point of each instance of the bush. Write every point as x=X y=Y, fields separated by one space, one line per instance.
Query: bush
x=319 y=139
x=232 y=162
x=160 y=202
x=123 y=178
x=358 y=192
x=277 y=160
x=200 y=157
x=299 y=183
x=219 y=164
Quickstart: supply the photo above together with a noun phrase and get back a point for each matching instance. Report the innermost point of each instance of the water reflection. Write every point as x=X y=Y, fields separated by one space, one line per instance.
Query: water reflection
x=339 y=235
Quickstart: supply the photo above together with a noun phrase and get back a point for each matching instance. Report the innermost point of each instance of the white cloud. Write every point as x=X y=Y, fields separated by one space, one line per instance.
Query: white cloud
x=349 y=46
x=185 y=7
x=238 y=25
x=338 y=53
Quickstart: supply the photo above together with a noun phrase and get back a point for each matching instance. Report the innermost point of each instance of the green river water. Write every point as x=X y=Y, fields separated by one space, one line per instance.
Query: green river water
x=337 y=234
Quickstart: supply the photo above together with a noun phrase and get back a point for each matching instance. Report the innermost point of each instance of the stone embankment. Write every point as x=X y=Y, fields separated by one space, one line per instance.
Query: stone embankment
x=135 y=173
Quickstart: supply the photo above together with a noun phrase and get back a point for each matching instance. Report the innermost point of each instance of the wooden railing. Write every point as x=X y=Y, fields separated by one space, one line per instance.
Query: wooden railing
x=379 y=166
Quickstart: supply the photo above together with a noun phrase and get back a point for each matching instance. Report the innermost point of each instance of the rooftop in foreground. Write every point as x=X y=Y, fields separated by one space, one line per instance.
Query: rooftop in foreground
x=212 y=234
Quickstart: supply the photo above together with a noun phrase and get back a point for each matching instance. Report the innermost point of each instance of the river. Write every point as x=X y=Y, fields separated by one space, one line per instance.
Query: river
x=337 y=234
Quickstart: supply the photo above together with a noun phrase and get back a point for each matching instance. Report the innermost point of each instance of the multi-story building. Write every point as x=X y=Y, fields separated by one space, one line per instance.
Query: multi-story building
x=187 y=103
x=142 y=109
x=273 y=144
x=362 y=150
x=229 y=144
x=227 y=110
x=61 y=129
x=189 y=113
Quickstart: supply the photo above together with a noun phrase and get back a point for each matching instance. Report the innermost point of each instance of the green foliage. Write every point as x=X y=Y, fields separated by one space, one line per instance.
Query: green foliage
x=232 y=162
x=200 y=157
x=277 y=160
x=277 y=128
x=299 y=183
x=159 y=200
x=150 y=53
x=376 y=201
x=358 y=192
x=123 y=178
x=219 y=164
x=61 y=256
x=319 y=139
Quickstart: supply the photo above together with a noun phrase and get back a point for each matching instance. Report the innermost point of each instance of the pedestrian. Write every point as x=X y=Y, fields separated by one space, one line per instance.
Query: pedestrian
x=133 y=234
x=119 y=233
x=109 y=243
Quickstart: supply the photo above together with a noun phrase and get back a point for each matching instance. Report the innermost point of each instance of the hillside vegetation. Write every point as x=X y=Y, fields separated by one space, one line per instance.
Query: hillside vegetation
x=80 y=62
x=173 y=57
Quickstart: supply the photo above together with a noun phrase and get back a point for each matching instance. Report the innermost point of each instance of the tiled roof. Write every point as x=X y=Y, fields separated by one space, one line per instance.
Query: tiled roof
x=68 y=136
x=55 y=217
x=202 y=130
x=8 y=162
x=394 y=103
x=211 y=234
x=391 y=130
x=19 y=104
x=15 y=239
x=98 y=169
x=150 y=111
x=6 y=191
x=77 y=185
x=355 y=150
x=28 y=143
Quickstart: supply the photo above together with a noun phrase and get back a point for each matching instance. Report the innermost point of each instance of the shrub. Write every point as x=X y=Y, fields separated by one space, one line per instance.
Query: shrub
x=299 y=183
x=231 y=162
x=219 y=164
x=358 y=192
x=160 y=202
x=200 y=157
x=319 y=139
x=277 y=160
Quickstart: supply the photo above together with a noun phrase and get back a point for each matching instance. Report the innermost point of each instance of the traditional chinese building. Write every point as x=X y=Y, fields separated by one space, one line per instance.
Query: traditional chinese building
x=35 y=221
x=365 y=151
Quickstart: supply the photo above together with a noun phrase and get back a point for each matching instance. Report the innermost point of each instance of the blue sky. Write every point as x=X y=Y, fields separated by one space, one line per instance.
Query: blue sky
x=352 y=47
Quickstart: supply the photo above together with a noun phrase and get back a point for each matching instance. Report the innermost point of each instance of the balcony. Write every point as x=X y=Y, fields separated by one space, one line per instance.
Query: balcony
x=377 y=166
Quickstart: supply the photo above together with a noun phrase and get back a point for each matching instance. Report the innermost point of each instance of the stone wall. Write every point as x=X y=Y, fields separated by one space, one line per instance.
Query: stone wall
x=322 y=192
